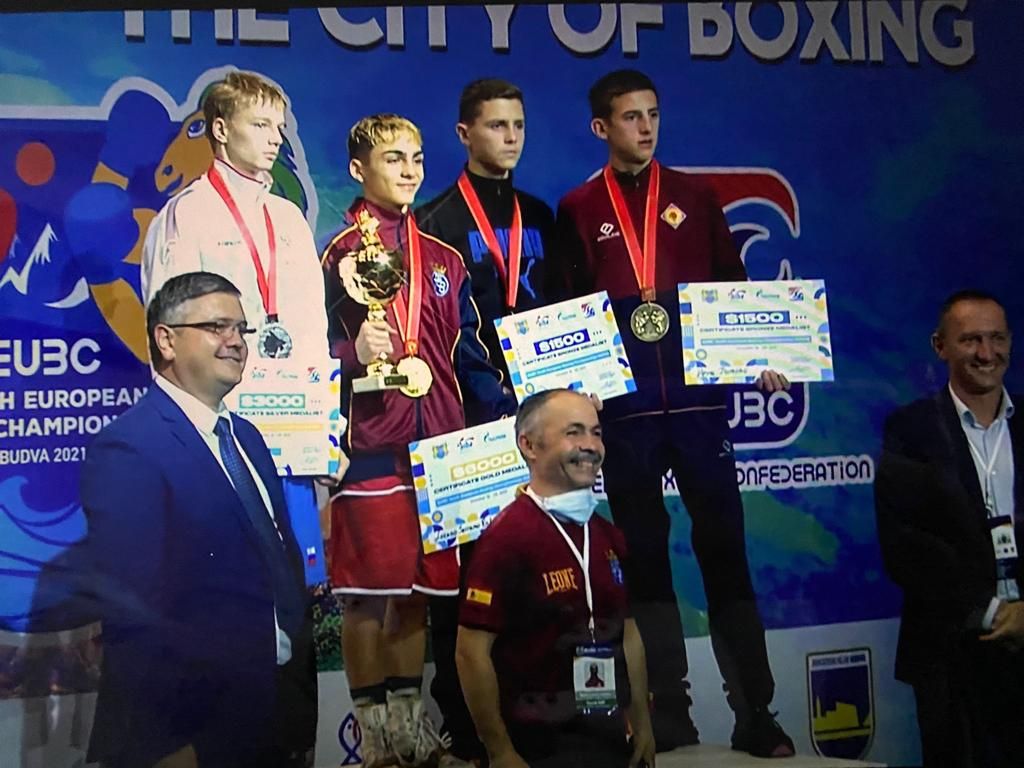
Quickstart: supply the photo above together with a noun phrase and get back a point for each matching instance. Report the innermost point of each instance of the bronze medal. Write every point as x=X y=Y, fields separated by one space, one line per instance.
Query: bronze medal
x=649 y=322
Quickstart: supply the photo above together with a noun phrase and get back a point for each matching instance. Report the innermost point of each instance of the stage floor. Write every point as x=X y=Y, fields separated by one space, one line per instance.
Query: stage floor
x=707 y=755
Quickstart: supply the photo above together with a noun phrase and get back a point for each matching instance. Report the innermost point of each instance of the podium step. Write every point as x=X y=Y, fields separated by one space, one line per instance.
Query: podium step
x=718 y=756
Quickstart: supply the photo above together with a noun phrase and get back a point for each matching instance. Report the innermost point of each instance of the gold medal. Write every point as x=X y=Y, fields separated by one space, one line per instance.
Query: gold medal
x=419 y=375
x=649 y=322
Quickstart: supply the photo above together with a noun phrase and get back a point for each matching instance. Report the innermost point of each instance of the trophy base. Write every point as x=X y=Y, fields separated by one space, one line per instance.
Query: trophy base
x=379 y=383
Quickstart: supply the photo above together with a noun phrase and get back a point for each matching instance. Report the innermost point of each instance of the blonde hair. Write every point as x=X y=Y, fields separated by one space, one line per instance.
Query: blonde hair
x=379 y=129
x=236 y=90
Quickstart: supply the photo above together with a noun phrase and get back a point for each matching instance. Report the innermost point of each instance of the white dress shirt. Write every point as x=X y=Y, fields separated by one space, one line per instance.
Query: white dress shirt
x=992 y=452
x=204 y=419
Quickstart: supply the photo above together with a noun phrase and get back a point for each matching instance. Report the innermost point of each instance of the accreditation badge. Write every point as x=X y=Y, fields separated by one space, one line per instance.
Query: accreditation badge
x=593 y=673
x=1004 y=540
x=1004 y=544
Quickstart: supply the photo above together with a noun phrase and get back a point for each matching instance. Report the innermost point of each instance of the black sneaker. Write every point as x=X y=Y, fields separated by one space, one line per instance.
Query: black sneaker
x=761 y=735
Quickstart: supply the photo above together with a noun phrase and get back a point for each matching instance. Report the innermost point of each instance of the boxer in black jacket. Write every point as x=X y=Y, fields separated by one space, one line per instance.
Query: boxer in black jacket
x=503 y=235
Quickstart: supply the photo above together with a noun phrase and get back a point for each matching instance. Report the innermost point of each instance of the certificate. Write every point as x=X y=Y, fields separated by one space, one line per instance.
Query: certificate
x=296 y=407
x=574 y=344
x=733 y=331
x=463 y=480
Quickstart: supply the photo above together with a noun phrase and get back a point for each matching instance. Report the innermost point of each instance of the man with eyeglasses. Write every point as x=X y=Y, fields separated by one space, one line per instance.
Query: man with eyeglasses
x=208 y=656
x=949 y=498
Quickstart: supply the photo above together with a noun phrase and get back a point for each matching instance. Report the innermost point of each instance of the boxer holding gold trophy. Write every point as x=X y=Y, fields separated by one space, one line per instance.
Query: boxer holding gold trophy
x=389 y=288
x=372 y=275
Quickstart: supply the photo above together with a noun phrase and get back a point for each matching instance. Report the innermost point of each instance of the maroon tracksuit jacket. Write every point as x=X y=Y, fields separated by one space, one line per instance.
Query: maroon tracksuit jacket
x=592 y=256
x=382 y=424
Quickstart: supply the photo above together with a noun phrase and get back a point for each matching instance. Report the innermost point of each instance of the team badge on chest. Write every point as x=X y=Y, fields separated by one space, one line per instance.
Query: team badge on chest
x=616 y=568
x=673 y=215
x=439 y=277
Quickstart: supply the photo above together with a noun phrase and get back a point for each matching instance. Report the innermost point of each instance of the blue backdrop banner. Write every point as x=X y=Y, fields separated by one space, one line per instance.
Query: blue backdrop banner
x=875 y=145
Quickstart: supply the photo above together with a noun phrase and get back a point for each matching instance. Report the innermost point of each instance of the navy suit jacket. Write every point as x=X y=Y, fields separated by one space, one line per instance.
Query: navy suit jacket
x=934 y=532
x=190 y=649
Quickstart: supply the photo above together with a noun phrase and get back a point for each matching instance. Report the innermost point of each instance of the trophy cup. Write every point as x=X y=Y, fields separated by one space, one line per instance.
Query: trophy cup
x=373 y=276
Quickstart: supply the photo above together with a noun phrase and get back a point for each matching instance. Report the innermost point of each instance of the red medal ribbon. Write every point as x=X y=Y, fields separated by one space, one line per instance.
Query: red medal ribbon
x=409 y=321
x=509 y=276
x=267 y=281
x=643 y=261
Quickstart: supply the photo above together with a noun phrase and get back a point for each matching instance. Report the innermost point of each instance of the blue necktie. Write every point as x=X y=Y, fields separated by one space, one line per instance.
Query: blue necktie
x=288 y=592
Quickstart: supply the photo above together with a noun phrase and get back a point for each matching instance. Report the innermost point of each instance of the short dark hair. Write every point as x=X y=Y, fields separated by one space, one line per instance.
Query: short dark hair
x=614 y=84
x=165 y=305
x=486 y=89
x=966 y=294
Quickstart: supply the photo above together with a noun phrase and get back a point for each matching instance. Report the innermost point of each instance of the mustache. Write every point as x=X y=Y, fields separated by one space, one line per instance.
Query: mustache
x=592 y=457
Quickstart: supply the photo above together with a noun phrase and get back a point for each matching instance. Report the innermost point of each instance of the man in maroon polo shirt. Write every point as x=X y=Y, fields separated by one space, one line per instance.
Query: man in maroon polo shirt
x=637 y=230
x=549 y=657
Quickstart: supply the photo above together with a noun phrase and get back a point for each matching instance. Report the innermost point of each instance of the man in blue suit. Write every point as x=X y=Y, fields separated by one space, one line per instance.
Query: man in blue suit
x=208 y=655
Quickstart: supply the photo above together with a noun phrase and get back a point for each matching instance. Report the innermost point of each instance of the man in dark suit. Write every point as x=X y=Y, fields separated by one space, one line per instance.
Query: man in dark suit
x=207 y=641
x=949 y=495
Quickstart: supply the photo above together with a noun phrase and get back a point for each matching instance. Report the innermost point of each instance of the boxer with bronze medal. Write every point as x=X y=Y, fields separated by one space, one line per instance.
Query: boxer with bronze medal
x=649 y=321
x=414 y=368
x=274 y=340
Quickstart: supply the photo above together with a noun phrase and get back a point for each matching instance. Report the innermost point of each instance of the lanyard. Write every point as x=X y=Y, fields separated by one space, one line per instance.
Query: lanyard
x=584 y=561
x=267 y=282
x=642 y=259
x=509 y=276
x=409 y=320
x=989 y=492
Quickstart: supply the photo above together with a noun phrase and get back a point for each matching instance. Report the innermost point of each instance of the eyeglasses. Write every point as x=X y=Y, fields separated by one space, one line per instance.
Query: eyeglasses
x=222 y=328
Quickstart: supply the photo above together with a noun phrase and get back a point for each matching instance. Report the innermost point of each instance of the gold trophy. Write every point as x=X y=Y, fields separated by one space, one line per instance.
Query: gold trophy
x=373 y=276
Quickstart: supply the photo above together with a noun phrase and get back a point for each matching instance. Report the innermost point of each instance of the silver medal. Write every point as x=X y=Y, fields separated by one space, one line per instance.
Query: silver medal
x=274 y=341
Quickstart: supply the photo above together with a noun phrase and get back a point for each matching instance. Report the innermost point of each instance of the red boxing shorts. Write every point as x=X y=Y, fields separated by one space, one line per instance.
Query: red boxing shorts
x=375 y=546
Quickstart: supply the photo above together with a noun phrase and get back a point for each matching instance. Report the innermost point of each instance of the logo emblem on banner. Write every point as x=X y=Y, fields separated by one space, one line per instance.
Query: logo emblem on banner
x=763 y=213
x=350 y=736
x=78 y=188
x=841 y=702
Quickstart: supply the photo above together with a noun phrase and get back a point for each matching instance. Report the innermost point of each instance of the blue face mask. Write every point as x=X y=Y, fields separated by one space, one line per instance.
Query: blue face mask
x=575 y=506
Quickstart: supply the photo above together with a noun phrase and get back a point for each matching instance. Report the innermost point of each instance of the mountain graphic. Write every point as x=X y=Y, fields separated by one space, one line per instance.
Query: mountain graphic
x=40 y=255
